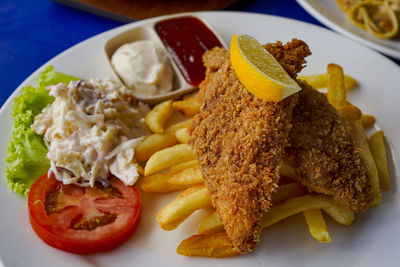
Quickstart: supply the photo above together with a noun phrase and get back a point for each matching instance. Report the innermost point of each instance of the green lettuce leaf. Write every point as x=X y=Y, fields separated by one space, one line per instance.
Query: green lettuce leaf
x=26 y=152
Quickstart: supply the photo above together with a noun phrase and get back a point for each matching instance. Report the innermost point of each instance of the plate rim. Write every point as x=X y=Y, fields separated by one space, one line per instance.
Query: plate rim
x=32 y=77
x=307 y=6
x=126 y=26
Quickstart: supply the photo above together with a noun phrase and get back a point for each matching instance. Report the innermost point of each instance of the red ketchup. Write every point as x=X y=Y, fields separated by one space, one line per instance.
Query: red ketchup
x=186 y=39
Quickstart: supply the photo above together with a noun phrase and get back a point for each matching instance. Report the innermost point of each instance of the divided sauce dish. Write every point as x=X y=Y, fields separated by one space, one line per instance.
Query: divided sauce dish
x=180 y=83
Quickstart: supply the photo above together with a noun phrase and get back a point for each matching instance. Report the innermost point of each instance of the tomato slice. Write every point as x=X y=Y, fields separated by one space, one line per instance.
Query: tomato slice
x=83 y=220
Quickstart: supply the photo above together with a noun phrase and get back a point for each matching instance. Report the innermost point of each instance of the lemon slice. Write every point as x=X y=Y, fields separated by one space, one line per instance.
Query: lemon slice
x=259 y=71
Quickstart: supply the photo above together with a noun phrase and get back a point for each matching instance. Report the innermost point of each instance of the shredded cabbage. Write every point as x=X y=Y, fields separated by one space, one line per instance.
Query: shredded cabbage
x=91 y=130
x=26 y=152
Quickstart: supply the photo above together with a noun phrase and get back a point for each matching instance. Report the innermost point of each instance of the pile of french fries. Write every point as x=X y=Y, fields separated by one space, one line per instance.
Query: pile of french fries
x=170 y=165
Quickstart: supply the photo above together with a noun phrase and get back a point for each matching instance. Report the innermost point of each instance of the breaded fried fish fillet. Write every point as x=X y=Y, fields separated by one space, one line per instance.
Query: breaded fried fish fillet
x=324 y=152
x=239 y=140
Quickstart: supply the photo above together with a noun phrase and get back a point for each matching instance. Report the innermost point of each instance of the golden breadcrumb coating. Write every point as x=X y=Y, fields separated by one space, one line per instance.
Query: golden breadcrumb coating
x=291 y=55
x=239 y=141
x=324 y=152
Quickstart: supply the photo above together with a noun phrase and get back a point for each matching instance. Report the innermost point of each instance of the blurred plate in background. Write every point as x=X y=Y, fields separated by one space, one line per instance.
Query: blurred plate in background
x=329 y=14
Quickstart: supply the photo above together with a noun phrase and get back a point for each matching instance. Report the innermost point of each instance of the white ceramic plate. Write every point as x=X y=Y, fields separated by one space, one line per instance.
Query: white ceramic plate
x=329 y=14
x=371 y=241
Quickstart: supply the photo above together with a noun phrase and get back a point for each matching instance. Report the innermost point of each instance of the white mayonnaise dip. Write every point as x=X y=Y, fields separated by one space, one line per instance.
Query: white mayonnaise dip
x=91 y=130
x=143 y=68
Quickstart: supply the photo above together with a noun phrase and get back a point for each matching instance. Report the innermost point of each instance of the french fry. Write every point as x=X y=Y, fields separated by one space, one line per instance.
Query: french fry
x=174 y=127
x=211 y=245
x=188 y=107
x=367 y=120
x=184 y=165
x=174 y=224
x=287 y=191
x=359 y=135
x=153 y=143
x=168 y=157
x=213 y=224
x=163 y=151
x=182 y=135
x=350 y=113
x=158 y=183
x=191 y=95
x=378 y=150
x=188 y=176
x=317 y=226
x=156 y=142
x=293 y=206
x=319 y=81
x=193 y=198
x=349 y=82
x=157 y=117
x=336 y=89
x=287 y=170
x=340 y=215
x=337 y=98
x=179 y=177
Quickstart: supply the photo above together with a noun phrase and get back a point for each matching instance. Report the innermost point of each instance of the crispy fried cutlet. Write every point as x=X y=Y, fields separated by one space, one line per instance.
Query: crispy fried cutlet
x=324 y=152
x=239 y=141
x=291 y=55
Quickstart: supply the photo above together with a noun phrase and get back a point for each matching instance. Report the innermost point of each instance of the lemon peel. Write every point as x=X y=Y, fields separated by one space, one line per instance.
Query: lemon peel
x=259 y=71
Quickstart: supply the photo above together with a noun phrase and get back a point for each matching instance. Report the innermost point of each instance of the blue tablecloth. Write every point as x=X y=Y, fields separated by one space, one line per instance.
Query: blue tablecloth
x=34 y=31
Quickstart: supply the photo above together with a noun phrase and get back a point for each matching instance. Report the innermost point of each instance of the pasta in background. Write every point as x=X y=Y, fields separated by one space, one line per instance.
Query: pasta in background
x=378 y=17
